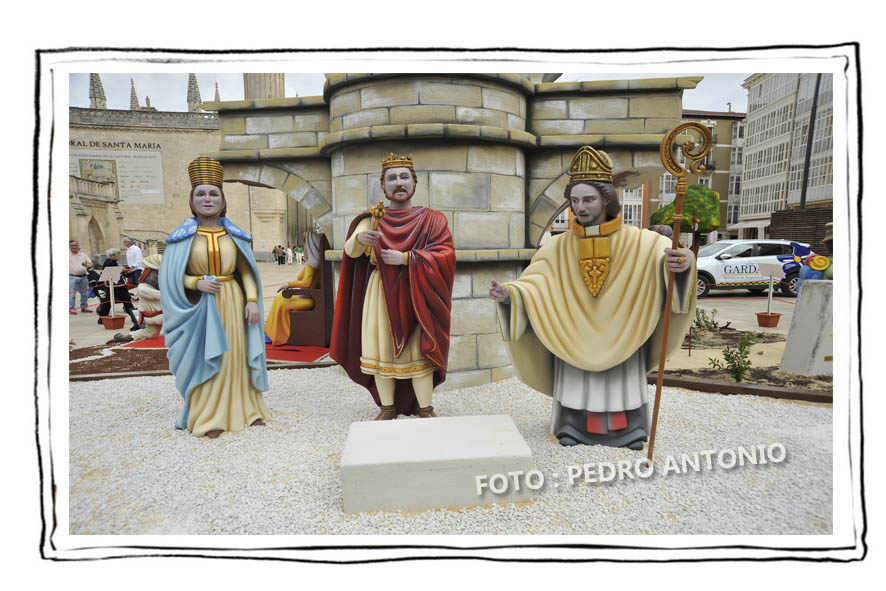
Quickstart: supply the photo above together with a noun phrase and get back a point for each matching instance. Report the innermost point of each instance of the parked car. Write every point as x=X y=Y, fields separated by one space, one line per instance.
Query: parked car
x=733 y=264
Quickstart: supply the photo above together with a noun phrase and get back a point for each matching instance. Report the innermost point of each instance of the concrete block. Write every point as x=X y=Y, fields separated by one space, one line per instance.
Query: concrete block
x=659 y=124
x=603 y=85
x=367 y=159
x=462 y=130
x=270 y=124
x=324 y=188
x=544 y=87
x=503 y=373
x=318 y=168
x=507 y=193
x=516 y=122
x=389 y=94
x=462 y=353
x=482 y=275
x=546 y=164
x=299 y=139
x=295 y=187
x=517 y=230
x=598 y=108
x=642 y=158
x=465 y=379
x=243 y=172
x=316 y=204
x=543 y=210
x=652 y=83
x=524 y=137
x=487 y=255
x=810 y=340
x=558 y=127
x=520 y=163
x=536 y=186
x=388 y=131
x=481 y=230
x=474 y=116
x=311 y=122
x=423 y=114
x=496 y=159
x=349 y=194
x=273 y=176
x=498 y=133
x=231 y=125
x=657 y=105
x=549 y=109
x=491 y=351
x=337 y=162
x=340 y=225
x=463 y=95
x=430 y=463
x=425 y=129
x=604 y=126
x=461 y=286
x=353 y=135
x=450 y=190
x=366 y=118
x=555 y=190
x=502 y=100
x=473 y=316
x=244 y=142
x=336 y=124
x=443 y=157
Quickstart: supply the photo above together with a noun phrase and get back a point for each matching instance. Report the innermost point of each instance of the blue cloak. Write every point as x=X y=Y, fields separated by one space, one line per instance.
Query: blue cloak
x=195 y=337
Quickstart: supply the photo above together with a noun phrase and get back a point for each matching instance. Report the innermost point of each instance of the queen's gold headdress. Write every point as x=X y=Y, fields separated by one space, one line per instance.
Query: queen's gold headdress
x=394 y=161
x=589 y=164
x=206 y=171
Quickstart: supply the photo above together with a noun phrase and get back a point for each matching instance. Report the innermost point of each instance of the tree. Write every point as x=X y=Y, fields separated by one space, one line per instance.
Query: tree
x=701 y=213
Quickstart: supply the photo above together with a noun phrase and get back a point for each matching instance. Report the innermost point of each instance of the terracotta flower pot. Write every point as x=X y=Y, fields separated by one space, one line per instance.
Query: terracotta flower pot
x=113 y=322
x=768 y=319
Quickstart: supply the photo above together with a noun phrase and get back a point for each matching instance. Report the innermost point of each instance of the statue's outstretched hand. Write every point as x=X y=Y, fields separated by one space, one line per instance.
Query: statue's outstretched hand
x=678 y=260
x=499 y=292
x=369 y=237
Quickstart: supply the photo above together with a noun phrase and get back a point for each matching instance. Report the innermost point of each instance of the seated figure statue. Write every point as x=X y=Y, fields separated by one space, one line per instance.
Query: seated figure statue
x=277 y=325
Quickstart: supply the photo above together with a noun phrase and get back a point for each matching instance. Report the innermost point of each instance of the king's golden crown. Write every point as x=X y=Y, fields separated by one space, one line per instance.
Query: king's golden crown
x=589 y=164
x=206 y=171
x=394 y=161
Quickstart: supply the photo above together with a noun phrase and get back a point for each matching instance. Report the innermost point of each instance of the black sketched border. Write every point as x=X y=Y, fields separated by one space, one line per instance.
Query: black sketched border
x=47 y=531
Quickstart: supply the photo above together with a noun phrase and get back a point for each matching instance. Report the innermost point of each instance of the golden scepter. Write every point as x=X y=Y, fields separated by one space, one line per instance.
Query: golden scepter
x=670 y=163
x=378 y=212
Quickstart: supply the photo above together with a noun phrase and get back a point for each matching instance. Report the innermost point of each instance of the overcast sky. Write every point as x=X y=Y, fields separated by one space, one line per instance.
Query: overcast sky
x=168 y=92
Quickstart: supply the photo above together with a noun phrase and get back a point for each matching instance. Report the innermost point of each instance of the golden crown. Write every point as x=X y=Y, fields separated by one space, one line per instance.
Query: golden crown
x=206 y=171
x=394 y=161
x=589 y=164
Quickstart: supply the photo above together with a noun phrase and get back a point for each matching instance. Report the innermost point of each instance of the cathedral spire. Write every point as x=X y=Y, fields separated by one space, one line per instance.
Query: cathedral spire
x=133 y=98
x=97 y=98
x=217 y=97
x=194 y=99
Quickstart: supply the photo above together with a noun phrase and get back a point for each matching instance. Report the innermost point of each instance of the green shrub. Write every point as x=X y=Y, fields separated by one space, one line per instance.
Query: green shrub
x=705 y=321
x=738 y=360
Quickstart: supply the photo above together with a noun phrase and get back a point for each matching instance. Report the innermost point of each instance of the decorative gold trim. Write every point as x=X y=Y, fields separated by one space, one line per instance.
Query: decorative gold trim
x=394 y=161
x=383 y=369
x=604 y=229
x=589 y=164
x=213 y=250
x=206 y=171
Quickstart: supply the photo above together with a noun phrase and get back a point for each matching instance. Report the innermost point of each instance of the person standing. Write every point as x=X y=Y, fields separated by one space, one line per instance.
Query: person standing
x=134 y=260
x=78 y=267
x=288 y=254
x=392 y=314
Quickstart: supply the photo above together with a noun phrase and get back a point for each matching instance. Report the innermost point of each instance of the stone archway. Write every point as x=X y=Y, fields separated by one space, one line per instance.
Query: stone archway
x=545 y=207
x=97 y=244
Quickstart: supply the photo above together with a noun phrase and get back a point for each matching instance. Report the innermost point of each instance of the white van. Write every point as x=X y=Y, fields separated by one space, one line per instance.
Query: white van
x=733 y=264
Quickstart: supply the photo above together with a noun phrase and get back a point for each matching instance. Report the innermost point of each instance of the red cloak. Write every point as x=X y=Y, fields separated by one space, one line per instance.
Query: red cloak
x=420 y=293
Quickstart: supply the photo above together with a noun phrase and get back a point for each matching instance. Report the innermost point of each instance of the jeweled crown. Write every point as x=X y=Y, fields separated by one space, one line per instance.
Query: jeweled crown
x=394 y=161
x=206 y=171
x=589 y=164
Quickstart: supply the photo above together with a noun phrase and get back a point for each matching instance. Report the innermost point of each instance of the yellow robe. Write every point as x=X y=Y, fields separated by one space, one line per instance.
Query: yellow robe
x=553 y=314
x=377 y=352
x=277 y=324
x=227 y=401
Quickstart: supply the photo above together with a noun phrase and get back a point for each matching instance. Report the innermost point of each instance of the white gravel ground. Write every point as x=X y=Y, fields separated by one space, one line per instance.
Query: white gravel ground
x=132 y=473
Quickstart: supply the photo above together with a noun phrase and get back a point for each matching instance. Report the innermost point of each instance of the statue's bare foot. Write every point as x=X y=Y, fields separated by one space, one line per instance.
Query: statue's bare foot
x=426 y=413
x=257 y=423
x=214 y=433
x=387 y=413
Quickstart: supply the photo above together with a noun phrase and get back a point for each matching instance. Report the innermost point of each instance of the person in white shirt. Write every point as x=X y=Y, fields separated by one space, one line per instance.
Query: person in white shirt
x=134 y=260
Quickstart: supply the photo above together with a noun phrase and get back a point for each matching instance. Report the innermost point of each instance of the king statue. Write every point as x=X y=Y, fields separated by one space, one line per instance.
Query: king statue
x=391 y=326
x=584 y=320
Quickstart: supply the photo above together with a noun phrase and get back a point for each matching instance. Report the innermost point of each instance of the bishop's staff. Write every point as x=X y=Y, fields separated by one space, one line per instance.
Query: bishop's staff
x=695 y=157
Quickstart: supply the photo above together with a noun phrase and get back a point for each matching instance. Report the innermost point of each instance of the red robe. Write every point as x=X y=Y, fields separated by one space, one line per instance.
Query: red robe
x=420 y=293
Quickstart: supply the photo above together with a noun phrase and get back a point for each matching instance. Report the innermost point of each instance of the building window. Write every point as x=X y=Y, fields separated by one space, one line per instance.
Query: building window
x=735 y=156
x=705 y=180
x=735 y=184
x=732 y=210
x=632 y=214
x=667 y=191
x=737 y=130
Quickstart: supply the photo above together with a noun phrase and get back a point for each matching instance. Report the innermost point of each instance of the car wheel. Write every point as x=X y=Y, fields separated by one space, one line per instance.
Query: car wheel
x=703 y=285
x=790 y=285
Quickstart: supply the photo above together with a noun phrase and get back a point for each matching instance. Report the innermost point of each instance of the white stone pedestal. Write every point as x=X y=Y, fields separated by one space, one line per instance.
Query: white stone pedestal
x=430 y=463
x=810 y=347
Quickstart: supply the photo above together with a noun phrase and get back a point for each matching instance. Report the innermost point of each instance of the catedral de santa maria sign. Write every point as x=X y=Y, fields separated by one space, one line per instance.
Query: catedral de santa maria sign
x=136 y=172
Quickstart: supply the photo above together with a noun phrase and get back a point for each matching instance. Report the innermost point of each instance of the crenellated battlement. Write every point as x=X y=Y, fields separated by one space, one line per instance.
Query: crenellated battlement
x=142 y=119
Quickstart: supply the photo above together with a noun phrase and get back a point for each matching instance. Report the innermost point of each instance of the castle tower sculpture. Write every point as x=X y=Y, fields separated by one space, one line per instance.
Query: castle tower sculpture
x=263 y=86
x=97 y=98
x=194 y=99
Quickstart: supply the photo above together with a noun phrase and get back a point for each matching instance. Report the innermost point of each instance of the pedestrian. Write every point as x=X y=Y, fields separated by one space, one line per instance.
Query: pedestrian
x=78 y=267
x=288 y=254
x=134 y=260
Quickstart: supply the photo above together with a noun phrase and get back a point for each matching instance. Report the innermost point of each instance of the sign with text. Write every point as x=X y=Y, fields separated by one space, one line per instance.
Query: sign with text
x=137 y=176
